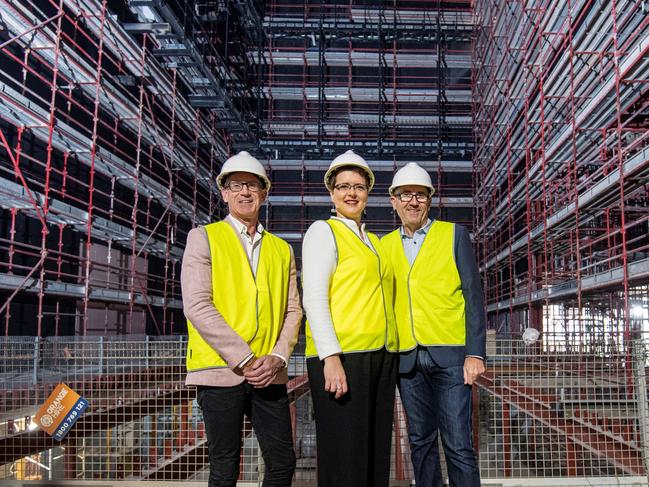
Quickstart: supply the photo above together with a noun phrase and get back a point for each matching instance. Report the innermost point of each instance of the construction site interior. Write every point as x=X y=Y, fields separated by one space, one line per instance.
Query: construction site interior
x=532 y=117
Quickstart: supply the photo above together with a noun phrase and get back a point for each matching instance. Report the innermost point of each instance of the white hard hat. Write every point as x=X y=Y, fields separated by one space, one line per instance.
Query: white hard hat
x=242 y=162
x=411 y=173
x=349 y=158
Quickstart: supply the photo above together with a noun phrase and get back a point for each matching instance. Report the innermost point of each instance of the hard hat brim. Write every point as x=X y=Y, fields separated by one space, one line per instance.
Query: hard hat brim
x=391 y=189
x=220 y=179
x=339 y=167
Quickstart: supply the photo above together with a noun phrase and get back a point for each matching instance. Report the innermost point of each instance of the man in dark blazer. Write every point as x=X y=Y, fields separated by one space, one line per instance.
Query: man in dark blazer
x=442 y=335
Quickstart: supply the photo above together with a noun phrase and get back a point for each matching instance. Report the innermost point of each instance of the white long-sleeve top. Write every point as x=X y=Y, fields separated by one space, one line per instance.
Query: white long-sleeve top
x=319 y=259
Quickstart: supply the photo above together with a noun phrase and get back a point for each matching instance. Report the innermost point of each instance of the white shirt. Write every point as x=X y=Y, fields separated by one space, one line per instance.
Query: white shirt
x=319 y=260
x=251 y=244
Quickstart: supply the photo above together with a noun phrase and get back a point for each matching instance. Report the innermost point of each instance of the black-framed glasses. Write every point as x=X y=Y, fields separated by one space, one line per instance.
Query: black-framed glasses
x=345 y=187
x=236 y=186
x=407 y=197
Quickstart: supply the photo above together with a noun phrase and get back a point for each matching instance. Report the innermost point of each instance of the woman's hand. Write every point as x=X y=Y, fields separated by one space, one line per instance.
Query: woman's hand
x=335 y=378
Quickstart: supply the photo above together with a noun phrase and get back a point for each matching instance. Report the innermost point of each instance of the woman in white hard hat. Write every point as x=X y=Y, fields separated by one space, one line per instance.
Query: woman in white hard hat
x=350 y=331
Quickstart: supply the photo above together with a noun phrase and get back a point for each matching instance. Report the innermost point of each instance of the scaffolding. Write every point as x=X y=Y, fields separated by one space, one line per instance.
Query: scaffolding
x=562 y=202
x=114 y=119
x=562 y=161
x=390 y=80
x=116 y=115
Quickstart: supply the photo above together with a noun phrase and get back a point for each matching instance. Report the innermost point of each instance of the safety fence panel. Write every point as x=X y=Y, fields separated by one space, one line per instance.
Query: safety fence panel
x=547 y=410
x=563 y=407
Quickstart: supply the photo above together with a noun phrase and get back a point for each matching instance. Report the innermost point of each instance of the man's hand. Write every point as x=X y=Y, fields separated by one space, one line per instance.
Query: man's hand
x=334 y=375
x=473 y=368
x=262 y=371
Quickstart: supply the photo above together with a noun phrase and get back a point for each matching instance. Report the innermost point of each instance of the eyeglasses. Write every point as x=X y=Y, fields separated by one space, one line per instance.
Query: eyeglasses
x=407 y=197
x=236 y=186
x=344 y=187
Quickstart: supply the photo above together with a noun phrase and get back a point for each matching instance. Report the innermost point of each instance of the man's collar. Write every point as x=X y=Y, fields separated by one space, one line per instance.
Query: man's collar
x=241 y=227
x=423 y=229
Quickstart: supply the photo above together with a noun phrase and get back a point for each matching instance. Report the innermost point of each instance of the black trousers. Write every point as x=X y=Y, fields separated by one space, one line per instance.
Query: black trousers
x=354 y=433
x=223 y=410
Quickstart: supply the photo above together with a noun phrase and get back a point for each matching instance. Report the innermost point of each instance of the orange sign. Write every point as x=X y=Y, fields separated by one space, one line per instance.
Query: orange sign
x=60 y=411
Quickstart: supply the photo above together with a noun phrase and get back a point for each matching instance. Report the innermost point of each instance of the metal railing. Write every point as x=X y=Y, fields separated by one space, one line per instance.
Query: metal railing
x=542 y=412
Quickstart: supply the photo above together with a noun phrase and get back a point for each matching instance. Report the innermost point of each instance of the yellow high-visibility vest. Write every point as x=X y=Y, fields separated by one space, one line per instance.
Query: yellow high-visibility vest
x=253 y=305
x=429 y=304
x=360 y=295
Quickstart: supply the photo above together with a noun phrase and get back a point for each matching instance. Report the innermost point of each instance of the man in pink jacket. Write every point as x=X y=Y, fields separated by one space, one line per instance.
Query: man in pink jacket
x=241 y=301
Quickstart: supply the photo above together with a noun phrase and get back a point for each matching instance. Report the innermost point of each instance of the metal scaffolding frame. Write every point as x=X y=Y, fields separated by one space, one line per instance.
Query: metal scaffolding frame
x=561 y=151
x=112 y=139
x=562 y=203
x=391 y=81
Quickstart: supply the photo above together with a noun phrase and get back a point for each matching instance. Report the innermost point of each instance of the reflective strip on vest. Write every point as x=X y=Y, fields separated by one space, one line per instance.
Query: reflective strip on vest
x=360 y=293
x=253 y=305
x=429 y=304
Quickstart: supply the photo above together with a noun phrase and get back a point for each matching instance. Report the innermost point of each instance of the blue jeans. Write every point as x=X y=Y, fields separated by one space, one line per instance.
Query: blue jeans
x=223 y=410
x=436 y=400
